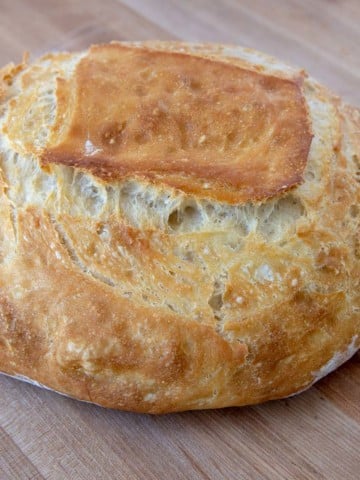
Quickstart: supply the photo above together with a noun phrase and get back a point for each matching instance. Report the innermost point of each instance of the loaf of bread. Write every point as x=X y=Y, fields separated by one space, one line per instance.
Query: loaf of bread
x=179 y=226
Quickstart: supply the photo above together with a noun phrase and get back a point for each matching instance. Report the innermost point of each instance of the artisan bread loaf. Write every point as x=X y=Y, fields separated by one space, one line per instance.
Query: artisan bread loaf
x=179 y=226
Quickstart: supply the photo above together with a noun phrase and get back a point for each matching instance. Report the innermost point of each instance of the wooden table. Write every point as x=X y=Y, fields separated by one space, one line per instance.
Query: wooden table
x=313 y=436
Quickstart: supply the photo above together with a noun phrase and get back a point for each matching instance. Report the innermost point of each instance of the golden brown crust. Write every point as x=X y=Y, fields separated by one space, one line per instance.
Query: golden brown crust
x=95 y=345
x=168 y=352
x=203 y=126
x=133 y=295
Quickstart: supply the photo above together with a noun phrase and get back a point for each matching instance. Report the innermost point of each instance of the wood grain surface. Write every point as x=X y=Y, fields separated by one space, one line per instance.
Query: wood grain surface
x=315 y=435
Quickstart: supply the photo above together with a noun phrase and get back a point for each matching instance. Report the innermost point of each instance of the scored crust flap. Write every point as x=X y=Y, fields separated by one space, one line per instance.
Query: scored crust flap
x=204 y=126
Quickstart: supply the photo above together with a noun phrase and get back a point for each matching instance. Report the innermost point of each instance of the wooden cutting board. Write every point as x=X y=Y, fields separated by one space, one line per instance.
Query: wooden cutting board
x=313 y=436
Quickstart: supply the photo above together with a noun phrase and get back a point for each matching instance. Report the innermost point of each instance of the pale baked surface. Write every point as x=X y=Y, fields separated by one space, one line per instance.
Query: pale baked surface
x=148 y=268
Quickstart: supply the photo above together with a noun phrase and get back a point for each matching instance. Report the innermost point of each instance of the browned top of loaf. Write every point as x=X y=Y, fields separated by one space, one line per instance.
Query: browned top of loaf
x=197 y=124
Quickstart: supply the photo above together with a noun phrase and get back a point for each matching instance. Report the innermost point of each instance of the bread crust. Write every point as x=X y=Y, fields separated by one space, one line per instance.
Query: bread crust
x=131 y=285
x=207 y=127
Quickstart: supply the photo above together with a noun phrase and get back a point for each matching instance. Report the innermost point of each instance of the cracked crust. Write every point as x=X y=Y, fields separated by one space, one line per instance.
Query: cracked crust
x=132 y=294
x=184 y=121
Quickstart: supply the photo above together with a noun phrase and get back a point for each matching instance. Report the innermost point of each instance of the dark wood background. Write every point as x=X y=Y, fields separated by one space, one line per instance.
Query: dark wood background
x=315 y=436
